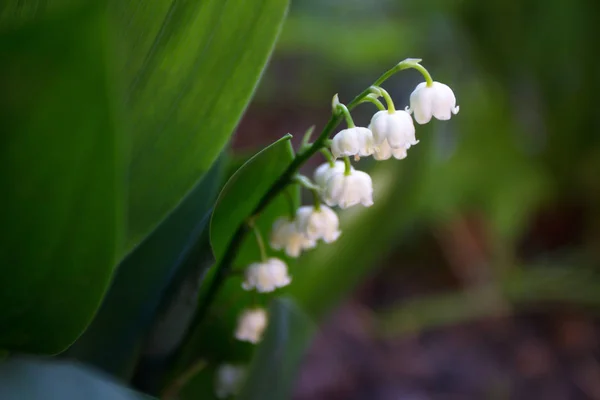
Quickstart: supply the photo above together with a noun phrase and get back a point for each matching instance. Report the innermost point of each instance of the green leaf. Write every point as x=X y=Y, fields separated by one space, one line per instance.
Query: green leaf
x=61 y=166
x=32 y=379
x=242 y=193
x=112 y=342
x=190 y=69
x=274 y=367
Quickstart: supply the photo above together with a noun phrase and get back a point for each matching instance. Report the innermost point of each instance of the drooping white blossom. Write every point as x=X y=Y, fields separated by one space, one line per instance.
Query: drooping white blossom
x=318 y=224
x=229 y=380
x=285 y=235
x=349 y=190
x=436 y=100
x=356 y=141
x=251 y=325
x=325 y=170
x=266 y=276
x=397 y=128
x=384 y=152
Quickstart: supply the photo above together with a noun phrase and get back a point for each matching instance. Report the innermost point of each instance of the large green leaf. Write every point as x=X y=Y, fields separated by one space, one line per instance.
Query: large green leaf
x=273 y=370
x=61 y=167
x=190 y=68
x=112 y=342
x=31 y=379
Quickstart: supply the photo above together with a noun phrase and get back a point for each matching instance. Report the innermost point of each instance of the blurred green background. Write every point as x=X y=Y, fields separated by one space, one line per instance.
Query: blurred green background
x=483 y=247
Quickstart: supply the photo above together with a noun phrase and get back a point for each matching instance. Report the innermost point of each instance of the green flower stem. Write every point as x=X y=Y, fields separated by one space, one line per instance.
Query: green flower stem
x=316 y=199
x=259 y=240
x=315 y=190
x=371 y=99
x=291 y=204
x=387 y=97
x=344 y=110
x=347 y=166
x=328 y=156
x=184 y=357
x=425 y=74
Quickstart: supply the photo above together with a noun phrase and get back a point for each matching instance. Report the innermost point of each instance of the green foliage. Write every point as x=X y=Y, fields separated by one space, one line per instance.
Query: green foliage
x=191 y=68
x=172 y=78
x=213 y=337
x=239 y=197
x=32 y=379
x=184 y=94
x=185 y=73
x=61 y=158
x=141 y=280
x=243 y=192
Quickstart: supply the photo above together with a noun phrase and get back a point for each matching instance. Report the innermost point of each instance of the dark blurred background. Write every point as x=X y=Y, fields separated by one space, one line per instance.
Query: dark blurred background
x=483 y=249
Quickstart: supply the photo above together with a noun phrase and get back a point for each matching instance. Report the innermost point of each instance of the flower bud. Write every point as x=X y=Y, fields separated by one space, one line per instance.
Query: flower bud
x=436 y=100
x=266 y=276
x=318 y=224
x=251 y=325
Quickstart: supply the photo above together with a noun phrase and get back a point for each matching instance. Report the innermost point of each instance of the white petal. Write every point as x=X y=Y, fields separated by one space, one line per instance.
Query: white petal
x=349 y=190
x=383 y=151
x=379 y=126
x=321 y=224
x=403 y=133
x=399 y=154
x=285 y=235
x=421 y=103
x=444 y=102
x=323 y=172
x=345 y=143
x=266 y=276
x=251 y=325
x=352 y=141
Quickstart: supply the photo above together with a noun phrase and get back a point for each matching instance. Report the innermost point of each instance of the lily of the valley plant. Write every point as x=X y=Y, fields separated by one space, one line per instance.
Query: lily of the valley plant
x=336 y=183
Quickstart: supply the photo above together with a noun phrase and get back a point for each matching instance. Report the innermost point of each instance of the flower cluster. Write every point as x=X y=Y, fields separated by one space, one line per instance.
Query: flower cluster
x=336 y=183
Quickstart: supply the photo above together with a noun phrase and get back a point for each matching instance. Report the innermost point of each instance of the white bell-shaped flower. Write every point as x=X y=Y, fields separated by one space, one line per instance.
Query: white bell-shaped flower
x=285 y=235
x=318 y=224
x=384 y=152
x=397 y=128
x=266 y=276
x=229 y=380
x=349 y=190
x=251 y=325
x=356 y=141
x=325 y=170
x=436 y=100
